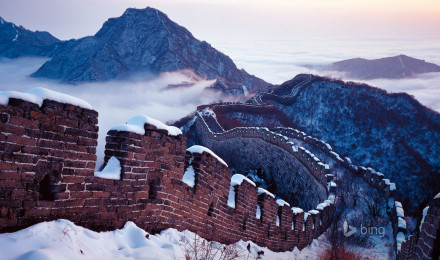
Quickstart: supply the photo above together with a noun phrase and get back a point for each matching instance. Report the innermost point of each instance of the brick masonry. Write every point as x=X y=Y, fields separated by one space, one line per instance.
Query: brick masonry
x=424 y=243
x=47 y=172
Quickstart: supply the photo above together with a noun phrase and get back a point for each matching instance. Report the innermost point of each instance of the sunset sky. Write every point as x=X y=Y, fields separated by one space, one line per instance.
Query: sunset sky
x=227 y=20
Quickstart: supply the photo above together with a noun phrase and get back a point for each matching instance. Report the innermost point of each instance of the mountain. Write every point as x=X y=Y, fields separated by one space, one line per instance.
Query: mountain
x=145 y=40
x=397 y=67
x=16 y=41
x=390 y=132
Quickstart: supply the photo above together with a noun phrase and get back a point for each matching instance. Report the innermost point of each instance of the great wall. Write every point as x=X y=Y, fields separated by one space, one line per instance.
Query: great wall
x=48 y=159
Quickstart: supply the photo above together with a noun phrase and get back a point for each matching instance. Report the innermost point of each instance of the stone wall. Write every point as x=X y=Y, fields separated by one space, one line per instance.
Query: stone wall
x=251 y=148
x=47 y=172
x=425 y=242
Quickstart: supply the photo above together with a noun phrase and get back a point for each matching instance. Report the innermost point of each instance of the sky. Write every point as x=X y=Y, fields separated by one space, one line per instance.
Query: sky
x=233 y=20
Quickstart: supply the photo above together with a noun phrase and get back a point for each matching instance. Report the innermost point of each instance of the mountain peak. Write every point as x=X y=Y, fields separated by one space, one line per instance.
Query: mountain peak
x=145 y=40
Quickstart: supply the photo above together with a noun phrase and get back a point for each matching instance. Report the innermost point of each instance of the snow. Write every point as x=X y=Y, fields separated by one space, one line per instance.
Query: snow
x=400 y=212
x=328 y=146
x=337 y=156
x=437 y=196
x=261 y=191
x=237 y=179
x=348 y=159
x=200 y=149
x=258 y=214
x=231 y=197
x=306 y=215
x=189 y=177
x=392 y=186
x=136 y=125
x=38 y=95
x=245 y=91
x=278 y=221
x=282 y=203
x=111 y=171
x=401 y=223
x=321 y=206
x=398 y=204
x=386 y=181
x=296 y=210
x=63 y=240
x=313 y=212
x=331 y=198
x=425 y=212
x=332 y=184
x=399 y=239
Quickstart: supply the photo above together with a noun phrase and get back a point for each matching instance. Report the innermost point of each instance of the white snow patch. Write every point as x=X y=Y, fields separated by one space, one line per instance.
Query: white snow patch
x=63 y=240
x=400 y=212
x=237 y=179
x=200 y=149
x=189 y=177
x=38 y=95
x=231 y=197
x=261 y=191
x=313 y=212
x=282 y=203
x=258 y=214
x=392 y=186
x=296 y=210
x=321 y=206
x=398 y=204
x=425 y=212
x=399 y=239
x=401 y=223
x=245 y=91
x=278 y=221
x=437 y=196
x=111 y=171
x=136 y=125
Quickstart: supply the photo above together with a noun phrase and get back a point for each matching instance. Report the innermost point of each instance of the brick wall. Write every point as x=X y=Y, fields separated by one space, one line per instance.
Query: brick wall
x=47 y=172
x=425 y=242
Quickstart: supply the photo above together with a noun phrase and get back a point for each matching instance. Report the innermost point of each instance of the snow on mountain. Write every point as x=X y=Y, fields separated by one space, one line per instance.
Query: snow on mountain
x=17 y=41
x=145 y=40
x=63 y=240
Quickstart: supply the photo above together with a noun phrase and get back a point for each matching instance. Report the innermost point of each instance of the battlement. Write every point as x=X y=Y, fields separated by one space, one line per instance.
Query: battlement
x=47 y=172
x=312 y=163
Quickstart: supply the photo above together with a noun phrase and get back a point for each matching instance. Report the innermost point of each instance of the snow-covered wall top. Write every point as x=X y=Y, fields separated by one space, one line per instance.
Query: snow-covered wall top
x=137 y=123
x=38 y=95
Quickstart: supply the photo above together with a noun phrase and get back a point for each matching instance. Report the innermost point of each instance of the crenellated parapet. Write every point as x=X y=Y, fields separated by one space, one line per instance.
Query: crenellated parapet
x=47 y=172
x=424 y=243
x=309 y=160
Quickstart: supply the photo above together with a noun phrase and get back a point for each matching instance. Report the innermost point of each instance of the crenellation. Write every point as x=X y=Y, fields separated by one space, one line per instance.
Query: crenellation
x=47 y=171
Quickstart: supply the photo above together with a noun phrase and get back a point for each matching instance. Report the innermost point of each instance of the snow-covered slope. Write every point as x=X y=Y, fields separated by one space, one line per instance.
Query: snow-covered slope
x=63 y=240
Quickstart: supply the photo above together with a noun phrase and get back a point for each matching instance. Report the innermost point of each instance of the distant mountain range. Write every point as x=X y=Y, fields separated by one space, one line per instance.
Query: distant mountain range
x=16 y=41
x=141 y=40
x=396 y=67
